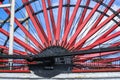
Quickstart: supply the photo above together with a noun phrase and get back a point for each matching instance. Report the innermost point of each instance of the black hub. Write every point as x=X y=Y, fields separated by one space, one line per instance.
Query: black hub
x=50 y=62
x=51 y=66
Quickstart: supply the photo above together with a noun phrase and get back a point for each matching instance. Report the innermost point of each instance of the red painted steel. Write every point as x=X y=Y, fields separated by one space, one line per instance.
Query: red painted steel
x=23 y=44
x=115 y=44
x=98 y=20
x=82 y=58
x=47 y=22
x=67 y=15
x=16 y=67
x=3 y=65
x=17 y=61
x=80 y=43
x=27 y=33
x=52 y=19
x=96 y=64
x=102 y=41
x=53 y=35
x=15 y=71
x=59 y=18
x=36 y=23
x=101 y=16
x=97 y=70
x=109 y=60
x=81 y=19
x=108 y=32
x=104 y=35
x=15 y=51
x=83 y=14
x=64 y=39
x=66 y=18
x=71 y=41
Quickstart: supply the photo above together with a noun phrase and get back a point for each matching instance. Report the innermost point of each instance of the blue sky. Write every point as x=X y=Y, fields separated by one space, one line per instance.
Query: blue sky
x=115 y=6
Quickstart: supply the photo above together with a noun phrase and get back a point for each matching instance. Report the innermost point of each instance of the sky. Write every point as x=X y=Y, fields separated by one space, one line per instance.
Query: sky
x=38 y=6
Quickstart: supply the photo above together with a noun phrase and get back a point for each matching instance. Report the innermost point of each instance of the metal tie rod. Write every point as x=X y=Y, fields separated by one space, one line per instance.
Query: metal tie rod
x=55 y=55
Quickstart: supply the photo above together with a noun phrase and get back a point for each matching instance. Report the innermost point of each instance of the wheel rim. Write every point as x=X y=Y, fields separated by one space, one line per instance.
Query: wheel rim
x=65 y=26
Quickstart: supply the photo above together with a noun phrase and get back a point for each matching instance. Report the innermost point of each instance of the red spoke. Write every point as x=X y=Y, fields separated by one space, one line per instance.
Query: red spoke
x=71 y=21
x=23 y=44
x=28 y=34
x=67 y=14
x=52 y=19
x=25 y=30
x=81 y=19
x=15 y=71
x=102 y=40
x=80 y=43
x=98 y=20
x=83 y=14
x=15 y=51
x=17 y=61
x=90 y=56
x=73 y=38
x=102 y=15
x=107 y=33
x=97 y=65
x=36 y=23
x=97 y=70
x=57 y=37
x=109 y=60
x=66 y=17
x=115 y=44
x=47 y=21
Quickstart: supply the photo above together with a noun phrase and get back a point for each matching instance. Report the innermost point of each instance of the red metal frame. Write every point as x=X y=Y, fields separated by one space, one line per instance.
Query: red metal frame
x=73 y=38
x=108 y=32
x=64 y=39
x=16 y=61
x=105 y=35
x=102 y=40
x=23 y=44
x=15 y=51
x=36 y=23
x=109 y=60
x=28 y=34
x=96 y=64
x=24 y=30
x=101 y=16
x=81 y=19
x=83 y=14
x=15 y=71
x=81 y=42
x=67 y=15
x=53 y=34
x=47 y=22
x=115 y=44
x=96 y=70
x=57 y=37
x=83 y=58
x=99 y=19
x=52 y=19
